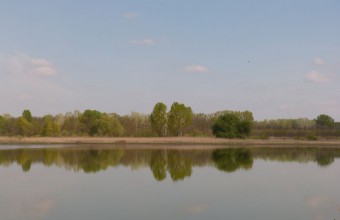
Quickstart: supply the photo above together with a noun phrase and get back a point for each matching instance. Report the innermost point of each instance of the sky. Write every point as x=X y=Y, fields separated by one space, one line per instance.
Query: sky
x=277 y=59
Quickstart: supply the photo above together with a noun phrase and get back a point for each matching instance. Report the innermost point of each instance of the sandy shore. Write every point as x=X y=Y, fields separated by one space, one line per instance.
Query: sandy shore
x=165 y=140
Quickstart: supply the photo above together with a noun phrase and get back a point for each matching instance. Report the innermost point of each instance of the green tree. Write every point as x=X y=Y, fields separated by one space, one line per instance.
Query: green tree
x=324 y=121
x=50 y=127
x=106 y=126
x=226 y=126
x=2 y=127
x=71 y=125
x=233 y=125
x=87 y=119
x=158 y=119
x=180 y=117
x=26 y=114
x=24 y=127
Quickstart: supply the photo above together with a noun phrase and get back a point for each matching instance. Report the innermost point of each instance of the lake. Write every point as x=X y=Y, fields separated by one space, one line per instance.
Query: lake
x=102 y=182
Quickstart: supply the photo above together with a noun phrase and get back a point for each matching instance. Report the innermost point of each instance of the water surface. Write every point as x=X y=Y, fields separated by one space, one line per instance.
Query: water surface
x=102 y=182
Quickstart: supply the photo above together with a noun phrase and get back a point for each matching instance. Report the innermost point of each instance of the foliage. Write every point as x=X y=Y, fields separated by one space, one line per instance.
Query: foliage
x=24 y=127
x=71 y=125
x=324 y=121
x=158 y=119
x=100 y=124
x=106 y=126
x=26 y=114
x=50 y=127
x=179 y=121
x=233 y=125
x=180 y=117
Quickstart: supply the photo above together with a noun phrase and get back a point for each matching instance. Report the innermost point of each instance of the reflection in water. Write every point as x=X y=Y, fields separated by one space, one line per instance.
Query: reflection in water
x=178 y=163
x=230 y=160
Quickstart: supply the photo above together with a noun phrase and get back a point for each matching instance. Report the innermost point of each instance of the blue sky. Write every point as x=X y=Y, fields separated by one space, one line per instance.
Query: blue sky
x=278 y=59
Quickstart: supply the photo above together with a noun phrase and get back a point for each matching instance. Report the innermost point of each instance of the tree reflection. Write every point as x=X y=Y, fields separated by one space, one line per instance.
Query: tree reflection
x=158 y=164
x=178 y=163
x=324 y=158
x=26 y=166
x=230 y=160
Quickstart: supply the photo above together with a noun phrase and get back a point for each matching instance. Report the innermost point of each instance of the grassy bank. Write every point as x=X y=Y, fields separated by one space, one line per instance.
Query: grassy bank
x=165 y=140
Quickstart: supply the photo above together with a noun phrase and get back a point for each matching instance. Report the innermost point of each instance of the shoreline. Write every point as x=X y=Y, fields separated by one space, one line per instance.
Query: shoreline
x=165 y=141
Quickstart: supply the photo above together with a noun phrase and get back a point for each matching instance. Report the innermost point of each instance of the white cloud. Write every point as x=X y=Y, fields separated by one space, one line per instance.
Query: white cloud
x=44 y=71
x=315 y=76
x=131 y=15
x=318 y=62
x=28 y=81
x=196 y=69
x=147 y=41
x=39 y=62
x=21 y=64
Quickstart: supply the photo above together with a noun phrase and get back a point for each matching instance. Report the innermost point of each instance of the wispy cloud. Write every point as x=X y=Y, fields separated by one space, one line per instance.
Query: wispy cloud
x=197 y=69
x=318 y=62
x=41 y=67
x=131 y=15
x=23 y=64
x=147 y=41
x=316 y=77
x=27 y=80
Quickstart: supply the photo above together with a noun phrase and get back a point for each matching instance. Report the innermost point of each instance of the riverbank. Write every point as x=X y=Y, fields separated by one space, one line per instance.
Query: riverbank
x=165 y=140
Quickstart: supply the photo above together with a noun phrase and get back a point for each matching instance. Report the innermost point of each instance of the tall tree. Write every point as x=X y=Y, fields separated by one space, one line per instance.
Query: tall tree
x=158 y=119
x=180 y=117
x=26 y=114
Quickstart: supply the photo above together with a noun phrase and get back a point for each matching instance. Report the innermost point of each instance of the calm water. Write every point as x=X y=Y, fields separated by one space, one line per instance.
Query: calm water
x=100 y=183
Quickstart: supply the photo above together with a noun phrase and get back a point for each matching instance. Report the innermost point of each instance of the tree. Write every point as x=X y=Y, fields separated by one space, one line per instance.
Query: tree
x=106 y=126
x=50 y=127
x=87 y=119
x=180 y=117
x=226 y=126
x=24 y=127
x=2 y=122
x=71 y=125
x=158 y=119
x=233 y=125
x=26 y=114
x=324 y=121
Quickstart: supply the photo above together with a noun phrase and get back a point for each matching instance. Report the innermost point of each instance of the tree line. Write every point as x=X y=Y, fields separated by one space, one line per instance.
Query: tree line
x=179 y=120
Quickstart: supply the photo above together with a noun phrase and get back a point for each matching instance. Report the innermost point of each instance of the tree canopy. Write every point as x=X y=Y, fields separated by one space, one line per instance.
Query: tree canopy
x=180 y=117
x=179 y=121
x=233 y=125
x=158 y=119
x=325 y=121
